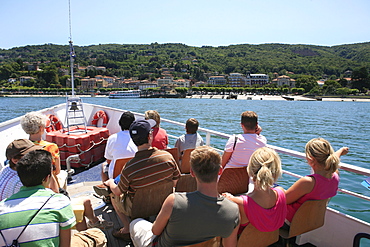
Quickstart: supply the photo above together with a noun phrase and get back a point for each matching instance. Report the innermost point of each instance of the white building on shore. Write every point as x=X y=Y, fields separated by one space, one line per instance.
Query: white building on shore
x=256 y=79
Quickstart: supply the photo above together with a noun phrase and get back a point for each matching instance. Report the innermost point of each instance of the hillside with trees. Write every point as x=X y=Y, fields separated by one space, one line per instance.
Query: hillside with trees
x=196 y=63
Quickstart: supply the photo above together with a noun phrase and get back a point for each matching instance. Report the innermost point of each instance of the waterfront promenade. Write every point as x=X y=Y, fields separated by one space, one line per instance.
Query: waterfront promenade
x=217 y=96
x=275 y=97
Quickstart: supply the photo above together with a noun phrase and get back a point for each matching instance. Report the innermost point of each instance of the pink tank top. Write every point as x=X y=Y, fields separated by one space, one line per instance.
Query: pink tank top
x=324 y=188
x=265 y=220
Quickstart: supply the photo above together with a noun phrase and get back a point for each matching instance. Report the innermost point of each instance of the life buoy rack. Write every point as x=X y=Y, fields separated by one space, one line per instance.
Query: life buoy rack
x=100 y=115
x=53 y=123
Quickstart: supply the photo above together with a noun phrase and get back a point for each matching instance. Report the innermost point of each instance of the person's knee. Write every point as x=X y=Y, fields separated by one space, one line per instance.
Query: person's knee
x=86 y=202
x=135 y=221
x=140 y=224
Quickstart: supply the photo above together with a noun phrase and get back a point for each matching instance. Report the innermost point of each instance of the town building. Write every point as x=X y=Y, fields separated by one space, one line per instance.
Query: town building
x=88 y=84
x=147 y=84
x=182 y=83
x=24 y=79
x=200 y=84
x=284 y=80
x=256 y=79
x=217 y=80
x=167 y=80
x=236 y=80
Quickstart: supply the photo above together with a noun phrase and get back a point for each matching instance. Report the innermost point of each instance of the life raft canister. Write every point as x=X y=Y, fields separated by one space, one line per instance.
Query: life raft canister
x=98 y=115
x=53 y=123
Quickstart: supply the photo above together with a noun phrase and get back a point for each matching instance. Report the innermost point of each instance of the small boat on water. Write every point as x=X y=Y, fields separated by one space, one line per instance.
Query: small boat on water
x=339 y=228
x=125 y=94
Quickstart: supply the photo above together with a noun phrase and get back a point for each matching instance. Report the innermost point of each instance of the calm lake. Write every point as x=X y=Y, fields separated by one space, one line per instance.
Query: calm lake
x=288 y=124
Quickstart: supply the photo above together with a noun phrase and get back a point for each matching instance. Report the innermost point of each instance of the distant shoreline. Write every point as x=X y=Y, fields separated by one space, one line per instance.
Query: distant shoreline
x=276 y=97
x=217 y=96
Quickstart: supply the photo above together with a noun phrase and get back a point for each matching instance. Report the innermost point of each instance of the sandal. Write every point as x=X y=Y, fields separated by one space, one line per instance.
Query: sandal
x=101 y=224
x=102 y=190
x=118 y=234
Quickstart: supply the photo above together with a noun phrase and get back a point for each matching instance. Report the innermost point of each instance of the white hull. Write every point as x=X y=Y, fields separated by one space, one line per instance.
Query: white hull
x=339 y=229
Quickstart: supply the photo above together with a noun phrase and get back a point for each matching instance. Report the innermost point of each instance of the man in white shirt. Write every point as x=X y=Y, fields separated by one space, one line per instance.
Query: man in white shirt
x=239 y=148
x=119 y=146
x=237 y=153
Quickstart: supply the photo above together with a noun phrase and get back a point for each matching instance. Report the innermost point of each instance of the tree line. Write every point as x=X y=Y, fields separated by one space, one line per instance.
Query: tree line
x=305 y=63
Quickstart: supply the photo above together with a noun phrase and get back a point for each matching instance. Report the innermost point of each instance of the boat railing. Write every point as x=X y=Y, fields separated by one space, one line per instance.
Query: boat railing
x=210 y=133
x=343 y=166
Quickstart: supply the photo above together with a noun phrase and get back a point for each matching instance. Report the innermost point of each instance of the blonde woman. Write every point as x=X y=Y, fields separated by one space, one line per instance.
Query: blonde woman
x=160 y=137
x=265 y=207
x=323 y=183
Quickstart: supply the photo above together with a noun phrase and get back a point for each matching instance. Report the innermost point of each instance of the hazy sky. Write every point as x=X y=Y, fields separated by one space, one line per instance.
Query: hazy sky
x=191 y=22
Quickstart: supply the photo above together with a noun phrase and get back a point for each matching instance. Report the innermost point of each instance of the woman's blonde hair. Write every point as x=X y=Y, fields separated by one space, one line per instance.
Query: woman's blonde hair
x=32 y=121
x=265 y=167
x=152 y=114
x=320 y=150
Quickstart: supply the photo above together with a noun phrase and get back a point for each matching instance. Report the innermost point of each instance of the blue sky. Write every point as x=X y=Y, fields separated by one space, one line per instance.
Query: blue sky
x=191 y=22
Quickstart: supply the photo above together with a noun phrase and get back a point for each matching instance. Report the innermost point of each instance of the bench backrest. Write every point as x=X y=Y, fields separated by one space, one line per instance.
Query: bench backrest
x=148 y=201
x=119 y=165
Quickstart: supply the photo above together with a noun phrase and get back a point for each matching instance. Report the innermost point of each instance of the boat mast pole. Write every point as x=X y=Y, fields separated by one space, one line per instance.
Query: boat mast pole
x=74 y=111
x=71 y=50
x=71 y=64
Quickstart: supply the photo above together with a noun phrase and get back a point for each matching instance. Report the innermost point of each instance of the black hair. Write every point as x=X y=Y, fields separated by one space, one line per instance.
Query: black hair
x=138 y=141
x=34 y=167
x=126 y=120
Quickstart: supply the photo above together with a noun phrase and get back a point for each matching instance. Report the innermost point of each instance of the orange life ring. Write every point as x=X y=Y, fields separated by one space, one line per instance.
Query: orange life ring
x=98 y=115
x=53 y=123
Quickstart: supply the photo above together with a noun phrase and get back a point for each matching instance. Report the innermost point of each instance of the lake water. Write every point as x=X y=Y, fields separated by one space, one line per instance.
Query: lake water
x=288 y=124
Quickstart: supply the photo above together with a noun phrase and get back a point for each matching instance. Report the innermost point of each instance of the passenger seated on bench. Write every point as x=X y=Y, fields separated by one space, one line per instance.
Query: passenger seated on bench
x=10 y=182
x=160 y=137
x=239 y=148
x=149 y=166
x=191 y=139
x=192 y=217
x=119 y=146
x=323 y=183
x=265 y=207
x=34 y=123
x=53 y=222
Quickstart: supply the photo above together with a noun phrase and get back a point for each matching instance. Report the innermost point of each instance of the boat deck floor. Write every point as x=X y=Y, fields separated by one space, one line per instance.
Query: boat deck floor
x=80 y=189
x=106 y=210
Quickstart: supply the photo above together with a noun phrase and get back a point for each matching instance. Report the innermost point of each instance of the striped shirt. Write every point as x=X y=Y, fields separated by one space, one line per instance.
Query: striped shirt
x=9 y=182
x=146 y=168
x=17 y=210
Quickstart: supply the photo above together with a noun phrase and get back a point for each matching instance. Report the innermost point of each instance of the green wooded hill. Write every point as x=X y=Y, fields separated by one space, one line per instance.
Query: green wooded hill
x=146 y=61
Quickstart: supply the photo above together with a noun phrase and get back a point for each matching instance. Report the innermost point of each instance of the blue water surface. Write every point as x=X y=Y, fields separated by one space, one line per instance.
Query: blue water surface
x=288 y=124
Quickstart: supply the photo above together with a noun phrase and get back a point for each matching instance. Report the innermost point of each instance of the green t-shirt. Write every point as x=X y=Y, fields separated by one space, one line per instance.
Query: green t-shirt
x=17 y=210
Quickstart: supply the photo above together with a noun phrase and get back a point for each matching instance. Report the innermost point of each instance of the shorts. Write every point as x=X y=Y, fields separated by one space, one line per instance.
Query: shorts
x=123 y=203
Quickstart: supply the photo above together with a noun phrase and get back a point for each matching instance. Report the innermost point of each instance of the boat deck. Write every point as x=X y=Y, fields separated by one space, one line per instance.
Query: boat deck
x=100 y=208
x=106 y=210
